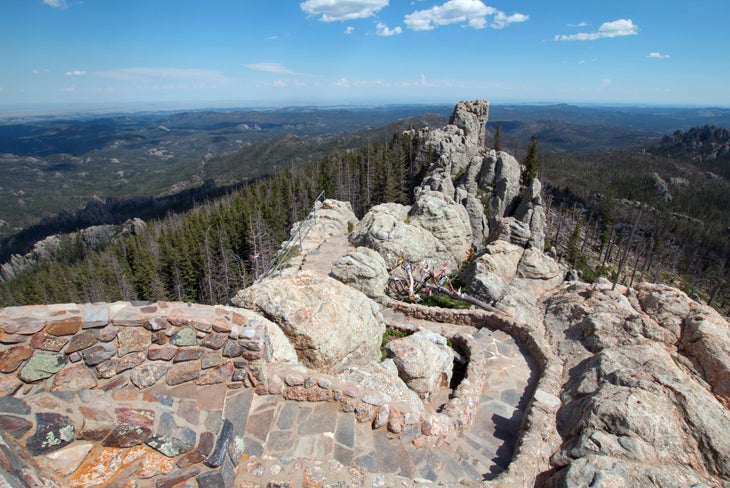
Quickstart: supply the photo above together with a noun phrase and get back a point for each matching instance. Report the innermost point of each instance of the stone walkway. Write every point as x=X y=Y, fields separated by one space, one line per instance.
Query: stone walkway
x=278 y=430
x=322 y=259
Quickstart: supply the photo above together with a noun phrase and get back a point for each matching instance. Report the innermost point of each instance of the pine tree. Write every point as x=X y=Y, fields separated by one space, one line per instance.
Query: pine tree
x=497 y=145
x=530 y=162
x=573 y=245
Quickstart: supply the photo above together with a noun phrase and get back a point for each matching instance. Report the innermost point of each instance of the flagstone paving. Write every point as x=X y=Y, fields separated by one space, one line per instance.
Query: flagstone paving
x=284 y=430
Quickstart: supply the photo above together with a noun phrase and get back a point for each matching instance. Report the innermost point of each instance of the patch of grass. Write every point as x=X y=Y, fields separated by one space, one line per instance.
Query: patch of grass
x=458 y=175
x=445 y=301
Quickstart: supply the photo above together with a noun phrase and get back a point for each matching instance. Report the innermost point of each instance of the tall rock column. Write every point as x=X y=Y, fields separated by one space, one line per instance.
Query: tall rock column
x=472 y=117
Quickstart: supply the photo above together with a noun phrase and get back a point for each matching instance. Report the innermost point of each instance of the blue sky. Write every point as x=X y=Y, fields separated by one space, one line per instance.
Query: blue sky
x=277 y=52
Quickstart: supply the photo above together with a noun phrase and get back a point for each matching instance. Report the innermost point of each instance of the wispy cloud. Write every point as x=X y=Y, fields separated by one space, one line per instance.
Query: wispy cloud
x=76 y=72
x=385 y=31
x=277 y=68
x=579 y=24
x=657 y=55
x=471 y=13
x=341 y=10
x=349 y=30
x=422 y=81
x=56 y=3
x=39 y=71
x=150 y=75
x=616 y=28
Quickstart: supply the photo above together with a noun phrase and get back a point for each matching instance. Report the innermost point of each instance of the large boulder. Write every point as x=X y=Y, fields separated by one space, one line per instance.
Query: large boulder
x=424 y=360
x=385 y=229
x=445 y=219
x=363 y=269
x=330 y=325
x=490 y=273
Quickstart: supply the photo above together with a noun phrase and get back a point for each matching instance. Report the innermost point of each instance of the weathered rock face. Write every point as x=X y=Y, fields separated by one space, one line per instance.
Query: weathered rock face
x=490 y=273
x=309 y=309
x=385 y=230
x=424 y=361
x=446 y=220
x=513 y=279
x=364 y=270
x=486 y=183
x=636 y=410
x=472 y=117
x=500 y=174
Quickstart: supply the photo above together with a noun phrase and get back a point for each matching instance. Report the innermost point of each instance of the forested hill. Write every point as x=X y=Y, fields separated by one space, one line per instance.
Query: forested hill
x=215 y=249
x=217 y=175
x=218 y=247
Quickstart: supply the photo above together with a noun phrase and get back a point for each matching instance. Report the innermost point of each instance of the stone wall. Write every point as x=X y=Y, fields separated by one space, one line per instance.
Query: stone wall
x=538 y=437
x=83 y=386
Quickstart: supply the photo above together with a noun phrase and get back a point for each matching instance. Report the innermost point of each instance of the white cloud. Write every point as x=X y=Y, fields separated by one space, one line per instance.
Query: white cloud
x=341 y=10
x=39 y=71
x=657 y=55
x=272 y=38
x=616 y=28
x=502 y=20
x=280 y=83
x=270 y=68
x=385 y=31
x=472 y=13
x=56 y=3
x=69 y=89
x=349 y=29
x=579 y=24
x=76 y=72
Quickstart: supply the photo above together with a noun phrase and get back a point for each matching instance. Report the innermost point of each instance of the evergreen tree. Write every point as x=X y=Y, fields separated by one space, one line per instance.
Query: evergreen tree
x=574 y=245
x=530 y=162
x=497 y=145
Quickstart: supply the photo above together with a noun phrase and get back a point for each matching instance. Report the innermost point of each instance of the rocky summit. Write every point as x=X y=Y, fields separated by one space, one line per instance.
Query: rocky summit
x=545 y=381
